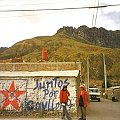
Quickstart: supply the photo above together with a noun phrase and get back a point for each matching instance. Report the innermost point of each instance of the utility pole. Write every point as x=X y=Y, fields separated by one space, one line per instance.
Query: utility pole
x=88 y=74
x=105 y=73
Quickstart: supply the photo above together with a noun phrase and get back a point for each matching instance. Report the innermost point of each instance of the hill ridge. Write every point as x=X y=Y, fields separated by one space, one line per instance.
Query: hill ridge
x=97 y=36
x=63 y=47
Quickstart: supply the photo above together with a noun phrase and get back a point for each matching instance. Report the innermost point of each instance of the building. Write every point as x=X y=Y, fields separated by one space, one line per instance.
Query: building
x=39 y=90
x=116 y=90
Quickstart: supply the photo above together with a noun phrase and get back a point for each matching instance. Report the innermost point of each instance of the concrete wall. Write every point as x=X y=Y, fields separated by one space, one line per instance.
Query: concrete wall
x=116 y=92
x=45 y=97
x=37 y=93
x=43 y=66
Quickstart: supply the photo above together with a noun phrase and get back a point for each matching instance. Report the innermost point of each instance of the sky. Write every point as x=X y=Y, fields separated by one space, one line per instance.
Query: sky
x=19 y=25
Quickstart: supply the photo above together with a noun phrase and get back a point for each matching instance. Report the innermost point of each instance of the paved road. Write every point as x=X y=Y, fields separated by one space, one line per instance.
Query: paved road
x=104 y=110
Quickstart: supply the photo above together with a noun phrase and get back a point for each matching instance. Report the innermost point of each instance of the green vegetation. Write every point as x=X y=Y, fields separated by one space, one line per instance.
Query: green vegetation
x=62 y=47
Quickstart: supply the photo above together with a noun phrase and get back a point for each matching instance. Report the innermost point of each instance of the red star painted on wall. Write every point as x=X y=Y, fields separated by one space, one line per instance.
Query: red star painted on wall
x=11 y=96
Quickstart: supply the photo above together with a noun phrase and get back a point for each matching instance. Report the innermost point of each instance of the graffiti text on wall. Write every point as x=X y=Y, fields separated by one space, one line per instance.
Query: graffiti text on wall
x=47 y=105
x=50 y=93
x=52 y=83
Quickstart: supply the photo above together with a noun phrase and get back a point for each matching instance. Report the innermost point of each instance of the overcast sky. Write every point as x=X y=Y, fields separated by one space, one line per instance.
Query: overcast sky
x=17 y=26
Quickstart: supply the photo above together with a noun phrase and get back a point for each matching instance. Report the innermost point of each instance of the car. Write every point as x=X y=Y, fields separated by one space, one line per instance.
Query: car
x=94 y=94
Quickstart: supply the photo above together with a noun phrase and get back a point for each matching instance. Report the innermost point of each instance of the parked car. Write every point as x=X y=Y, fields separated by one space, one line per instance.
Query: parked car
x=94 y=94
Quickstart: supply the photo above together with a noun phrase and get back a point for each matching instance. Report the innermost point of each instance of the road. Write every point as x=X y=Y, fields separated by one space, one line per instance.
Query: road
x=104 y=110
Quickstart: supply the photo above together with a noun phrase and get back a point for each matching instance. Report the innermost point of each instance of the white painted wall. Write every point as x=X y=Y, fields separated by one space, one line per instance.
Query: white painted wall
x=42 y=91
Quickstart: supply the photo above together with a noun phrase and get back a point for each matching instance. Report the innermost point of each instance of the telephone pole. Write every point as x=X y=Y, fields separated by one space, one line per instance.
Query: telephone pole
x=88 y=74
x=105 y=77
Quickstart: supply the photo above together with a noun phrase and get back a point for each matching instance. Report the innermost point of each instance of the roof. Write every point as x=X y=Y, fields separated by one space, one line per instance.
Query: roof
x=115 y=87
x=71 y=73
x=92 y=88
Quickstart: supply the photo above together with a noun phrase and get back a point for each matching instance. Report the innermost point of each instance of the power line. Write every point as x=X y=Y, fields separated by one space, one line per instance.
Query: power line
x=36 y=4
x=20 y=16
x=94 y=20
x=25 y=4
x=29 y=15
x=57 y=9
x=93 y=15
x=96 y=15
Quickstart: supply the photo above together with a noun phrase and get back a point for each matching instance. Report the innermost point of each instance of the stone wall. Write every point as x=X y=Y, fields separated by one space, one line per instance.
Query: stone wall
x=43 y=66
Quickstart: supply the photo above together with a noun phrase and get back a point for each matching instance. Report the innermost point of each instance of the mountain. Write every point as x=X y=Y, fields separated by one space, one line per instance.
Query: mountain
x=96 y=36
x=2 y=49
x=65 y=47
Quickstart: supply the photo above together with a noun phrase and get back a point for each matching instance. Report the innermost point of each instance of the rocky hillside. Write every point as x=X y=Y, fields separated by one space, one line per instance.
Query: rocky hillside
x=96 y=36
x=2 y=49
x=63 y=47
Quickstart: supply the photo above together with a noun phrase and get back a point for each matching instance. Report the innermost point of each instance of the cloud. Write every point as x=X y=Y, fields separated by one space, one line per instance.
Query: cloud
x=16 y=26
x=114 y=16
x=111 y=15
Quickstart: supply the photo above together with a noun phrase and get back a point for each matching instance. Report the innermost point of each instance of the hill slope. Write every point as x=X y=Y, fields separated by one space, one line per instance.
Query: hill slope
x=97 y=36
x=62 y=47
x=2 y=49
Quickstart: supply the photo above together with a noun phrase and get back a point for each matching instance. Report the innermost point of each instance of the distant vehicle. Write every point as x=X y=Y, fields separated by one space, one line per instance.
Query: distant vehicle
x=94 y=94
